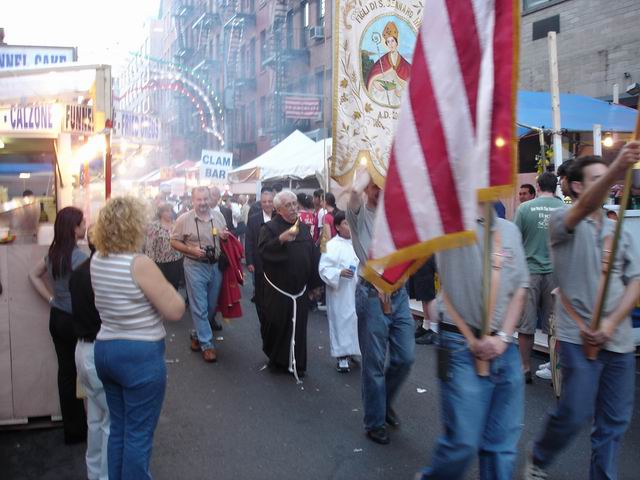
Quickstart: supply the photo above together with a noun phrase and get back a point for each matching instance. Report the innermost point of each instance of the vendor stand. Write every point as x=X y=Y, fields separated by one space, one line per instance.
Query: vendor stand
x=54 y=142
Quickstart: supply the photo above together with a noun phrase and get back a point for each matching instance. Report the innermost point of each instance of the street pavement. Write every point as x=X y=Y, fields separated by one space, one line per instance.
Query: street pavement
x=237 y=420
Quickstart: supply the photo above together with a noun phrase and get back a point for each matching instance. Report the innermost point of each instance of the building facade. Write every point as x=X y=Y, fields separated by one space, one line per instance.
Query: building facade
x=598 y=46
x=267 y=64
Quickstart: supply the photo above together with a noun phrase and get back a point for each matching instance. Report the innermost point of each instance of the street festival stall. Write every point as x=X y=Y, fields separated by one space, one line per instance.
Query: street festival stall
x=53 y=141
x=297 y=158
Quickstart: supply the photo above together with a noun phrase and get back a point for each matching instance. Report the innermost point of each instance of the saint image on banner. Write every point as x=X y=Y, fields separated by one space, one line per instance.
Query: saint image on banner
x=386 y=77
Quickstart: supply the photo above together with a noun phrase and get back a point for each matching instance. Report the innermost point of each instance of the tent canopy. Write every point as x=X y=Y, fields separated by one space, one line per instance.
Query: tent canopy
x=578 y=113
x=307 y=162
x=259 y=168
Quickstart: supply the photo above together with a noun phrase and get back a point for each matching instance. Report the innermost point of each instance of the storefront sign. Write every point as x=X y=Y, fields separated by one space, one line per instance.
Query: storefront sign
x=78 y=118
x=20 y=56
x=136 y=127
x=43 y=118
x=46 y=118
x=215 y=166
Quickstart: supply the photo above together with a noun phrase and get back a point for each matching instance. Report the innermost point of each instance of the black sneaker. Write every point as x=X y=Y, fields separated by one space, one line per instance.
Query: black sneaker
x=528 y=378
x=215 y=325
x=427 y=339
x=379 y=435
x=420 y=331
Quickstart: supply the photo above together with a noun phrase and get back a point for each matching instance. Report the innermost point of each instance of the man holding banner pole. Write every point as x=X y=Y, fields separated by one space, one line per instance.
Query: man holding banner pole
x=599 y=390
x=482 y=414
x=384 y=322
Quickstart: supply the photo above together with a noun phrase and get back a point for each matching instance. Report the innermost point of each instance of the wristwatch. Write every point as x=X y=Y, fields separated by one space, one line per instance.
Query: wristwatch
x=505 y=337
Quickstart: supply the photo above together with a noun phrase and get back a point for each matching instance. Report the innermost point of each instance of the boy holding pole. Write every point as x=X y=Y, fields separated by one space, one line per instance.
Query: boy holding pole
x=594 y=328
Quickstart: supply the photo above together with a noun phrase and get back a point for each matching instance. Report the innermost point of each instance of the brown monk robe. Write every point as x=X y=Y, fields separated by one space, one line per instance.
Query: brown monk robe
x=291 y=266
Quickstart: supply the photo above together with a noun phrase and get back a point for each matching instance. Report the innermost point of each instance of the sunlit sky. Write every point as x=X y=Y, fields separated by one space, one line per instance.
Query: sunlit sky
x=103 y=31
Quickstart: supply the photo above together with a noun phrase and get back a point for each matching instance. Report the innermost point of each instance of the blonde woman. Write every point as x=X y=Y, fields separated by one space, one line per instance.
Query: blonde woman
x=132 y=297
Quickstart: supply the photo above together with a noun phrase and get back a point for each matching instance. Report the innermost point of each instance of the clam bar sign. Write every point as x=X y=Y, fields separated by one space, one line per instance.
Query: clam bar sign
x=46 y=118
x=215 y=166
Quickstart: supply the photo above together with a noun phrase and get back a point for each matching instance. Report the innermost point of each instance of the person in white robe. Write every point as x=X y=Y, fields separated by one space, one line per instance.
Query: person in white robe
x=338 y=267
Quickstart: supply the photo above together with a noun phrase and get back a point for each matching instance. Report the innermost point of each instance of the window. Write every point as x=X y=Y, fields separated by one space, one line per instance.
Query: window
x=529 y=4
x=320 y=82
x=252 y=58
x=290 y=29
x=305 y=16
x=322 y=10
x=263 y=112
x=263 y=47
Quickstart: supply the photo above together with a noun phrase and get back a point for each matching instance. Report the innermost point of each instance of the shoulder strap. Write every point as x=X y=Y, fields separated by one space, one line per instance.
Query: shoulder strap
x=604 y=269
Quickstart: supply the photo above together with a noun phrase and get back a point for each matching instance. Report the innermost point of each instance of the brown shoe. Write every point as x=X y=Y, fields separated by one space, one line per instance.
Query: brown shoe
x=209 y=355
x=195 y=344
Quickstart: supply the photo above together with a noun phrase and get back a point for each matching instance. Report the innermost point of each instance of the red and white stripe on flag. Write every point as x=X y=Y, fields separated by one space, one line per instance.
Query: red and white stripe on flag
x=455 y=140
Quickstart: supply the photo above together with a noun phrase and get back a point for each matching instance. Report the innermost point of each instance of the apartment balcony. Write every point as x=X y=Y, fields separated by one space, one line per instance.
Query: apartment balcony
x=182 y=9
x=206 y=20
x=285 y=46
x=246 y=80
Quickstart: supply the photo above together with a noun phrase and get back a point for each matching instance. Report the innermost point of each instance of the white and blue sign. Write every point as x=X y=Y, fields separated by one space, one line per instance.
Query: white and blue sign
x=20 y=56
x=215 y=166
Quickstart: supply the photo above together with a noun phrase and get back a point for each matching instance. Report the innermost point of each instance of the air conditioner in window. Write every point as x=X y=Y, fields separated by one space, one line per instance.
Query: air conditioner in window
x=262 y=132
x=316 y=33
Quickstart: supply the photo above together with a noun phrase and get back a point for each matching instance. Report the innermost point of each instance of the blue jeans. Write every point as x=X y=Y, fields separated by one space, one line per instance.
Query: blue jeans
x=376 y=332
x=598 y=392
x=134 y=376
x=481 y=415
x=203 y=287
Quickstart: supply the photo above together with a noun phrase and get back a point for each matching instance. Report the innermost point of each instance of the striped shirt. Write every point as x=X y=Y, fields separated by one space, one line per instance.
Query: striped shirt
x=124 y=309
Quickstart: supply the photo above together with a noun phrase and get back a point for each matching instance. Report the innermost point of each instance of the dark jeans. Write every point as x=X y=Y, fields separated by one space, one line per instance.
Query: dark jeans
x=594 y=392
x=74 y=419
x=378 y=334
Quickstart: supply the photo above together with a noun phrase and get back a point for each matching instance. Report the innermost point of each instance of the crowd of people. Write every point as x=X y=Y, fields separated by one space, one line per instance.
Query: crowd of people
x=302 y=252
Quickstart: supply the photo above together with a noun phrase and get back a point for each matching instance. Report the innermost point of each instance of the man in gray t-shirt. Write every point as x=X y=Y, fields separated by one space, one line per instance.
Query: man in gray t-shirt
x=485 y=413
x=378 y=332
x=599 y=391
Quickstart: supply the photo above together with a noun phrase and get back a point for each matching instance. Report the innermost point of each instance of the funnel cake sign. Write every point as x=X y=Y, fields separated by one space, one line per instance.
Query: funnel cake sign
x=374 y=43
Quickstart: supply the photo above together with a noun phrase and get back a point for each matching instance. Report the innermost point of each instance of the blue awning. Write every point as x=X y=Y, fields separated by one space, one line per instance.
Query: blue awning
x=578 y=113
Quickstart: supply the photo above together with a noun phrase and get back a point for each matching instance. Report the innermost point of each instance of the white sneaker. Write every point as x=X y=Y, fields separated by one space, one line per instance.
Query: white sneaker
x=545 y=365
x=544 y=373
x=343 y=365
x=534 y=472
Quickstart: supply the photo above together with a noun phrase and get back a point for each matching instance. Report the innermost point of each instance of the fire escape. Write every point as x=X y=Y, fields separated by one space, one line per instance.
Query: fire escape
x=238 y=21
x=285 y=45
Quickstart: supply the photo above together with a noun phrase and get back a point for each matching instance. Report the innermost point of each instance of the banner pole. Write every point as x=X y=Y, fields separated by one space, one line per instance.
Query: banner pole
x=483 y=366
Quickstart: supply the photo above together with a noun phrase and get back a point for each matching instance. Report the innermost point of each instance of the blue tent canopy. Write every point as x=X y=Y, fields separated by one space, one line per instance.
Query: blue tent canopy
x=578 y=113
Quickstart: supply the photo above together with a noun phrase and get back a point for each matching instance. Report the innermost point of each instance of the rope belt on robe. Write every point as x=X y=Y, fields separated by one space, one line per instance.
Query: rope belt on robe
x=292 y=347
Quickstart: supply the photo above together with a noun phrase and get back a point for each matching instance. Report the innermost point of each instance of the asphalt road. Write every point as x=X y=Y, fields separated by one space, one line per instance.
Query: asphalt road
x=236 y=420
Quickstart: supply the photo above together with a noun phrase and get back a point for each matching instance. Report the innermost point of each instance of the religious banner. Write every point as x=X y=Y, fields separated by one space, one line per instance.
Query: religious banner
x=373 y=52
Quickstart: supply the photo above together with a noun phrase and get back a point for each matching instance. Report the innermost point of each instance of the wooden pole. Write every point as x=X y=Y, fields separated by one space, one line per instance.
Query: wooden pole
x=483 y=366
x=592 y=351
x=555 y=98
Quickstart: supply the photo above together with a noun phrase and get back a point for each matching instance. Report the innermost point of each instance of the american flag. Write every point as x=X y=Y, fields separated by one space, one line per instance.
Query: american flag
x=455 y=139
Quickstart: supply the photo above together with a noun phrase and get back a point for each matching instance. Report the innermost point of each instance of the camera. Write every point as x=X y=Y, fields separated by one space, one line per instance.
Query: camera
x=210 y=253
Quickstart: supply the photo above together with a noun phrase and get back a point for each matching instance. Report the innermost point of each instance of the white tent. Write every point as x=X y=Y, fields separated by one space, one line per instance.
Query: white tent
x=276 y=158
x=302 y=164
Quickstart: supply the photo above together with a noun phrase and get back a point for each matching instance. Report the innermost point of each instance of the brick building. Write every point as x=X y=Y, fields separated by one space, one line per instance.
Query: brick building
x=262 y=59
x=598 y=46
